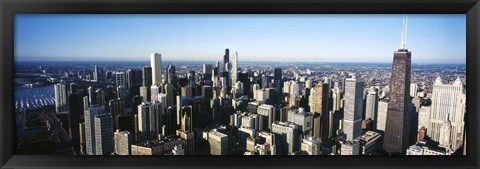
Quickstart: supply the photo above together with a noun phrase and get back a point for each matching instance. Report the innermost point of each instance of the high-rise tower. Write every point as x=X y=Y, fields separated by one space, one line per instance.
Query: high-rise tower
x=234 y=72
x=398 y=117
x=352 y=122
x=171 y=77
x=60 y=97
x=96 y=74
x=156 y=64
x=226 y=59
x=447 y=112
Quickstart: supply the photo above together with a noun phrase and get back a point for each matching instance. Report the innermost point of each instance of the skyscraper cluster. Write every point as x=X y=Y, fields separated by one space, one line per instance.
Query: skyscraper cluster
x=225 y=108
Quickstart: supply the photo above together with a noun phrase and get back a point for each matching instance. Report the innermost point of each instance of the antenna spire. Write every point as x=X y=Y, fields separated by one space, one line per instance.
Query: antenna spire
x=404 y=32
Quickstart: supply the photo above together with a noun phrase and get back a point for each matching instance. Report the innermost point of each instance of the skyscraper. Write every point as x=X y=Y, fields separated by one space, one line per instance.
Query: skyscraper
x=171 y=120
x=100 y=97
x=382 y=115
x=96 y=74
x=371 y=109
x=352 y=122
x=147 y=76
x=120 y=79
x=75 y=110
x=171 y=77
x=321 y=107
x=447 y=114
x=277 y=79
x=98 y=131
x=186 y=129
x=207 y=71
x=117 y=107
x=148 y=117
x=156 y=64
x=170 y=91
x=413 y=89
x=60 y=97
x=226 y=60
x=109 y=93
x=73 y=88
x=145 y=92
x=234 y=72
x=154 y=91
x=135 y=80
x=398 y=118
x=103 y=134
x=336 y=98
x=122 y=92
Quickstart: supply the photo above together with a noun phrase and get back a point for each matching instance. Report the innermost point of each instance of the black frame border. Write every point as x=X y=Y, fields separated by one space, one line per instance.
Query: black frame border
x=9 y=8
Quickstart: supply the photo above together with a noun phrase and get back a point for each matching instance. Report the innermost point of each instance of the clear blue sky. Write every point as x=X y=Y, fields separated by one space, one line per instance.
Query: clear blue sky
x=319 y=38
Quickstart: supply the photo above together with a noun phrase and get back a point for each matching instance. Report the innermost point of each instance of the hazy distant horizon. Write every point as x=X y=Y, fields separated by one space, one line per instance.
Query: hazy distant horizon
x=166 y=62
x=435 y=38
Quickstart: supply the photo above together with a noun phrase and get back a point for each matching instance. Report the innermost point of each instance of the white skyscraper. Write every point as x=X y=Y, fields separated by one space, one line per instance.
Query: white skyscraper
x=336 y=98
x=60 y=97
x=352 y=122
x=447 y=113
x=154 y=91
x=413 y=89
x=424 y=117
x=382 y=115
x=156 y=64
x=234 y=72
x=150 y=120
x=98 y=131
x=371 y=109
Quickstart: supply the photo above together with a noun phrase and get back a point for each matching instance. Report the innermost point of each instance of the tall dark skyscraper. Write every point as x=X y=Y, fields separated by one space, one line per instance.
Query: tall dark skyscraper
x=226 y=59
x=134 y=82
x=75 y=108
x=96 y=74
x=171 y=77
x=73 y=88
x=277 y=79
x=147 y=76
x=109 y=94
x=100 y=97
x=171 y=121
x=117 y=108
x=398 y=118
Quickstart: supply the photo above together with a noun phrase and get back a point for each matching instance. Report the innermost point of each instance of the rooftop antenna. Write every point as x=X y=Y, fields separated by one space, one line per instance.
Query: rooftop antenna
x=404 y=32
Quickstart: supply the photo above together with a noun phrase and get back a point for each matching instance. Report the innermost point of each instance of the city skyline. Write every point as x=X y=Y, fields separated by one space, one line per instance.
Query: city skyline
x=255 y=37
x=218 y=108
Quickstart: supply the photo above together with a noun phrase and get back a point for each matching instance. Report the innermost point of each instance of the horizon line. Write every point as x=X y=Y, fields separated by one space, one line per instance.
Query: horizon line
x=213 y=61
